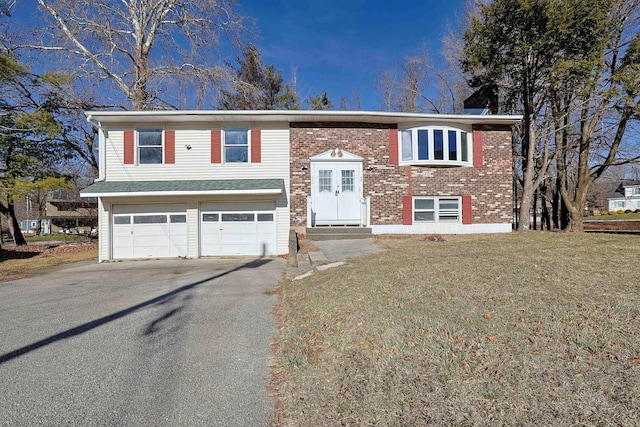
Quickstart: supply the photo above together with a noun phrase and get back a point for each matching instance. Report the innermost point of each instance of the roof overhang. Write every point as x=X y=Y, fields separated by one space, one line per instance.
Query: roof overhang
x=226 y=187
x=293 y=116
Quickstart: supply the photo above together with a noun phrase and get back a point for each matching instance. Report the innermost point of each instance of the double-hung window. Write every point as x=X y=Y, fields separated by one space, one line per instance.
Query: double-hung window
x=150 y=146
x=236 y=146
x=435 y=145
x=436 y=209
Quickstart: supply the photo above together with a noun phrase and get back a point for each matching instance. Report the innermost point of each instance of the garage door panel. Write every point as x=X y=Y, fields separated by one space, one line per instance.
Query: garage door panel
x=228 y=239
x=239 y=249
x=237 y=232
x=264 y=227
x=149 y=231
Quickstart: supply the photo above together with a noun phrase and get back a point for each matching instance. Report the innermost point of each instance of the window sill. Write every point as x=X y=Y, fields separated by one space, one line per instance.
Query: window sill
x=437 y=164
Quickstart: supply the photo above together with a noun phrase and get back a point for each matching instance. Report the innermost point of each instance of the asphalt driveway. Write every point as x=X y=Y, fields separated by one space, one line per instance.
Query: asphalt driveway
x=172 y=342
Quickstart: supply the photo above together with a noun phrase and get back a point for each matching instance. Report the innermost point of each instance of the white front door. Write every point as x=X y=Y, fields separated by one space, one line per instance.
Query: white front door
x=336 y=192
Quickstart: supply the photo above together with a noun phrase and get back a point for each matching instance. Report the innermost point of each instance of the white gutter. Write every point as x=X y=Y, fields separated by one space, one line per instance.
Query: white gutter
x=273 y=191
x=296 y=116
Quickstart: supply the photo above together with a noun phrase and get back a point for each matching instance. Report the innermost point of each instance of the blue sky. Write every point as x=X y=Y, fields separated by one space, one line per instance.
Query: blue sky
x=340 y=45
x=337 y=45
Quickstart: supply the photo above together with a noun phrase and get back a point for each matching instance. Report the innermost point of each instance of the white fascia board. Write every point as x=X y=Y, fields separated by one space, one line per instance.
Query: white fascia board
x=293 y=116
x=274 y=191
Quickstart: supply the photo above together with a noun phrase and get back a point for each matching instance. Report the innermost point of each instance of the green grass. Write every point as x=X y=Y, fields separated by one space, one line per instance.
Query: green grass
x=517 y=329
x=613 y=217
x=56 y=237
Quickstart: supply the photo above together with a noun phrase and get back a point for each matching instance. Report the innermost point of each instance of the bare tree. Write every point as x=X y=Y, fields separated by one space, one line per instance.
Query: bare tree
x=141 y=46
x=419 y=84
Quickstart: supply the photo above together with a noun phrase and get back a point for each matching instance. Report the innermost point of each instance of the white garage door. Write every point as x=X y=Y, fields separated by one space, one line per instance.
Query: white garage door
x=149 y=231
x=237 y=232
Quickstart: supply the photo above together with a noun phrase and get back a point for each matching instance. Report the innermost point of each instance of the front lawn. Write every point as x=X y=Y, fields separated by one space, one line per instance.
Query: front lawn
x=613 y=217
x=516 y=329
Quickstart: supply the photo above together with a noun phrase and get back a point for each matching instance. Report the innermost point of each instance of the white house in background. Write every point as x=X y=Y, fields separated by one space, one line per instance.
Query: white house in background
x=216 y=183
x=625 y=196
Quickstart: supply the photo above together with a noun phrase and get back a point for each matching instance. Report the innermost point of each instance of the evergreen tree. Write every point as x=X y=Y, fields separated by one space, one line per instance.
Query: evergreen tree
x=256 y=86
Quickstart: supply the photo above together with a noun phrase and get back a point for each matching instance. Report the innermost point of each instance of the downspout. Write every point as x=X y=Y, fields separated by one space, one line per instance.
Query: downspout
x=101 y=142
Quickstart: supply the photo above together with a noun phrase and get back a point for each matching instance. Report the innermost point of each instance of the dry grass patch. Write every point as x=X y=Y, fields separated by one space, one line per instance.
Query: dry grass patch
x=18 y=262
x=535 y=329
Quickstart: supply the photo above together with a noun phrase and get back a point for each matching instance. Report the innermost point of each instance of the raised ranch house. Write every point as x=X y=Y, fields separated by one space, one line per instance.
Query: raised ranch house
x=213 y=183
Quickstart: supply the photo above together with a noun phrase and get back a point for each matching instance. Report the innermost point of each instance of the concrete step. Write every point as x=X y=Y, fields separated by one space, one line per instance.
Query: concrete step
x=338 y=233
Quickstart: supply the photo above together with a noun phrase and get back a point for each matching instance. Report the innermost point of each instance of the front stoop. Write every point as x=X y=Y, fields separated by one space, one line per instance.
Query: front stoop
x=338 y=233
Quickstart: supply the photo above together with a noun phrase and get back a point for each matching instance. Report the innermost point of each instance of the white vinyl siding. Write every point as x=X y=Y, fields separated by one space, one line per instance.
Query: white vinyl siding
x=195 y=164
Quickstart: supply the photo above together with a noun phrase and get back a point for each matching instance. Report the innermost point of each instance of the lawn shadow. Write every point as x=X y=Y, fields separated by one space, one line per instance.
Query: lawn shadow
x=6 y=255
x=69 y=333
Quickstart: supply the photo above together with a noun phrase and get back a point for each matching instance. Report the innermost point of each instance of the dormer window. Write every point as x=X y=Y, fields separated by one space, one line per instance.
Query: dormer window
x=434 y=145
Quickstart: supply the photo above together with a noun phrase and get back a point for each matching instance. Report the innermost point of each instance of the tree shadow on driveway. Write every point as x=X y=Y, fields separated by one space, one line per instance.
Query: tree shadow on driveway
x=69 y=333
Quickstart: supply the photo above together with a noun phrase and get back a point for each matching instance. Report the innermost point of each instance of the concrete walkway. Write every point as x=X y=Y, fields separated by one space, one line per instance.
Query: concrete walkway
x=330 y=253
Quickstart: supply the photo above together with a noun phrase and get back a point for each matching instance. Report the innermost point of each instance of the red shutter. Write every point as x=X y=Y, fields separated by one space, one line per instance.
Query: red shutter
x=256 y=146
x=128 y=147
x=407 y=210
x=467 y=215
x=478 y=160
x=393 y=146
x=169 y=147
x=216 y=146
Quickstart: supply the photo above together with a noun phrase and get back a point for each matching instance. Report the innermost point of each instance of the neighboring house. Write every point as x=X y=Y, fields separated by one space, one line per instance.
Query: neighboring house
x=208 y=183
x=625 y=196
x=68 y=213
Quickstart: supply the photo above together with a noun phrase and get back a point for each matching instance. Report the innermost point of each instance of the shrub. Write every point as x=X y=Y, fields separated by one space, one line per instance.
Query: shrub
x=620 y=211
x=604 y=213
x=637 y=211
x=628 y=211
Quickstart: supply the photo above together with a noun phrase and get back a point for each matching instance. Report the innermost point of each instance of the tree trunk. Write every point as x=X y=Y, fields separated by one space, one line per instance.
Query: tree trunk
x=528 y=175
x=17 y=233
x=535 y=210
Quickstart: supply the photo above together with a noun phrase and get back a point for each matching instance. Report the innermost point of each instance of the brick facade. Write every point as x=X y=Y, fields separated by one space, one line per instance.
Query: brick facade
x=489 y=186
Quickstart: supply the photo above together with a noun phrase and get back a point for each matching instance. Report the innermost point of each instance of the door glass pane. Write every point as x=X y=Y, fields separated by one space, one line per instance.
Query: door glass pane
x=324 y=181
x=238 y=217
x=453 y=145
x=150 y=219
x=348 y=177
x=176 y=219
x=423 y=144
x=407 y=149
x=122 y=219
x=265 y=217
x=209 y=217
x=438 y=142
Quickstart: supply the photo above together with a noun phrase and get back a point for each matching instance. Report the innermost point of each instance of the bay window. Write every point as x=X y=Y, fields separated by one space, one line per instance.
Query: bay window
x=435 y=146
